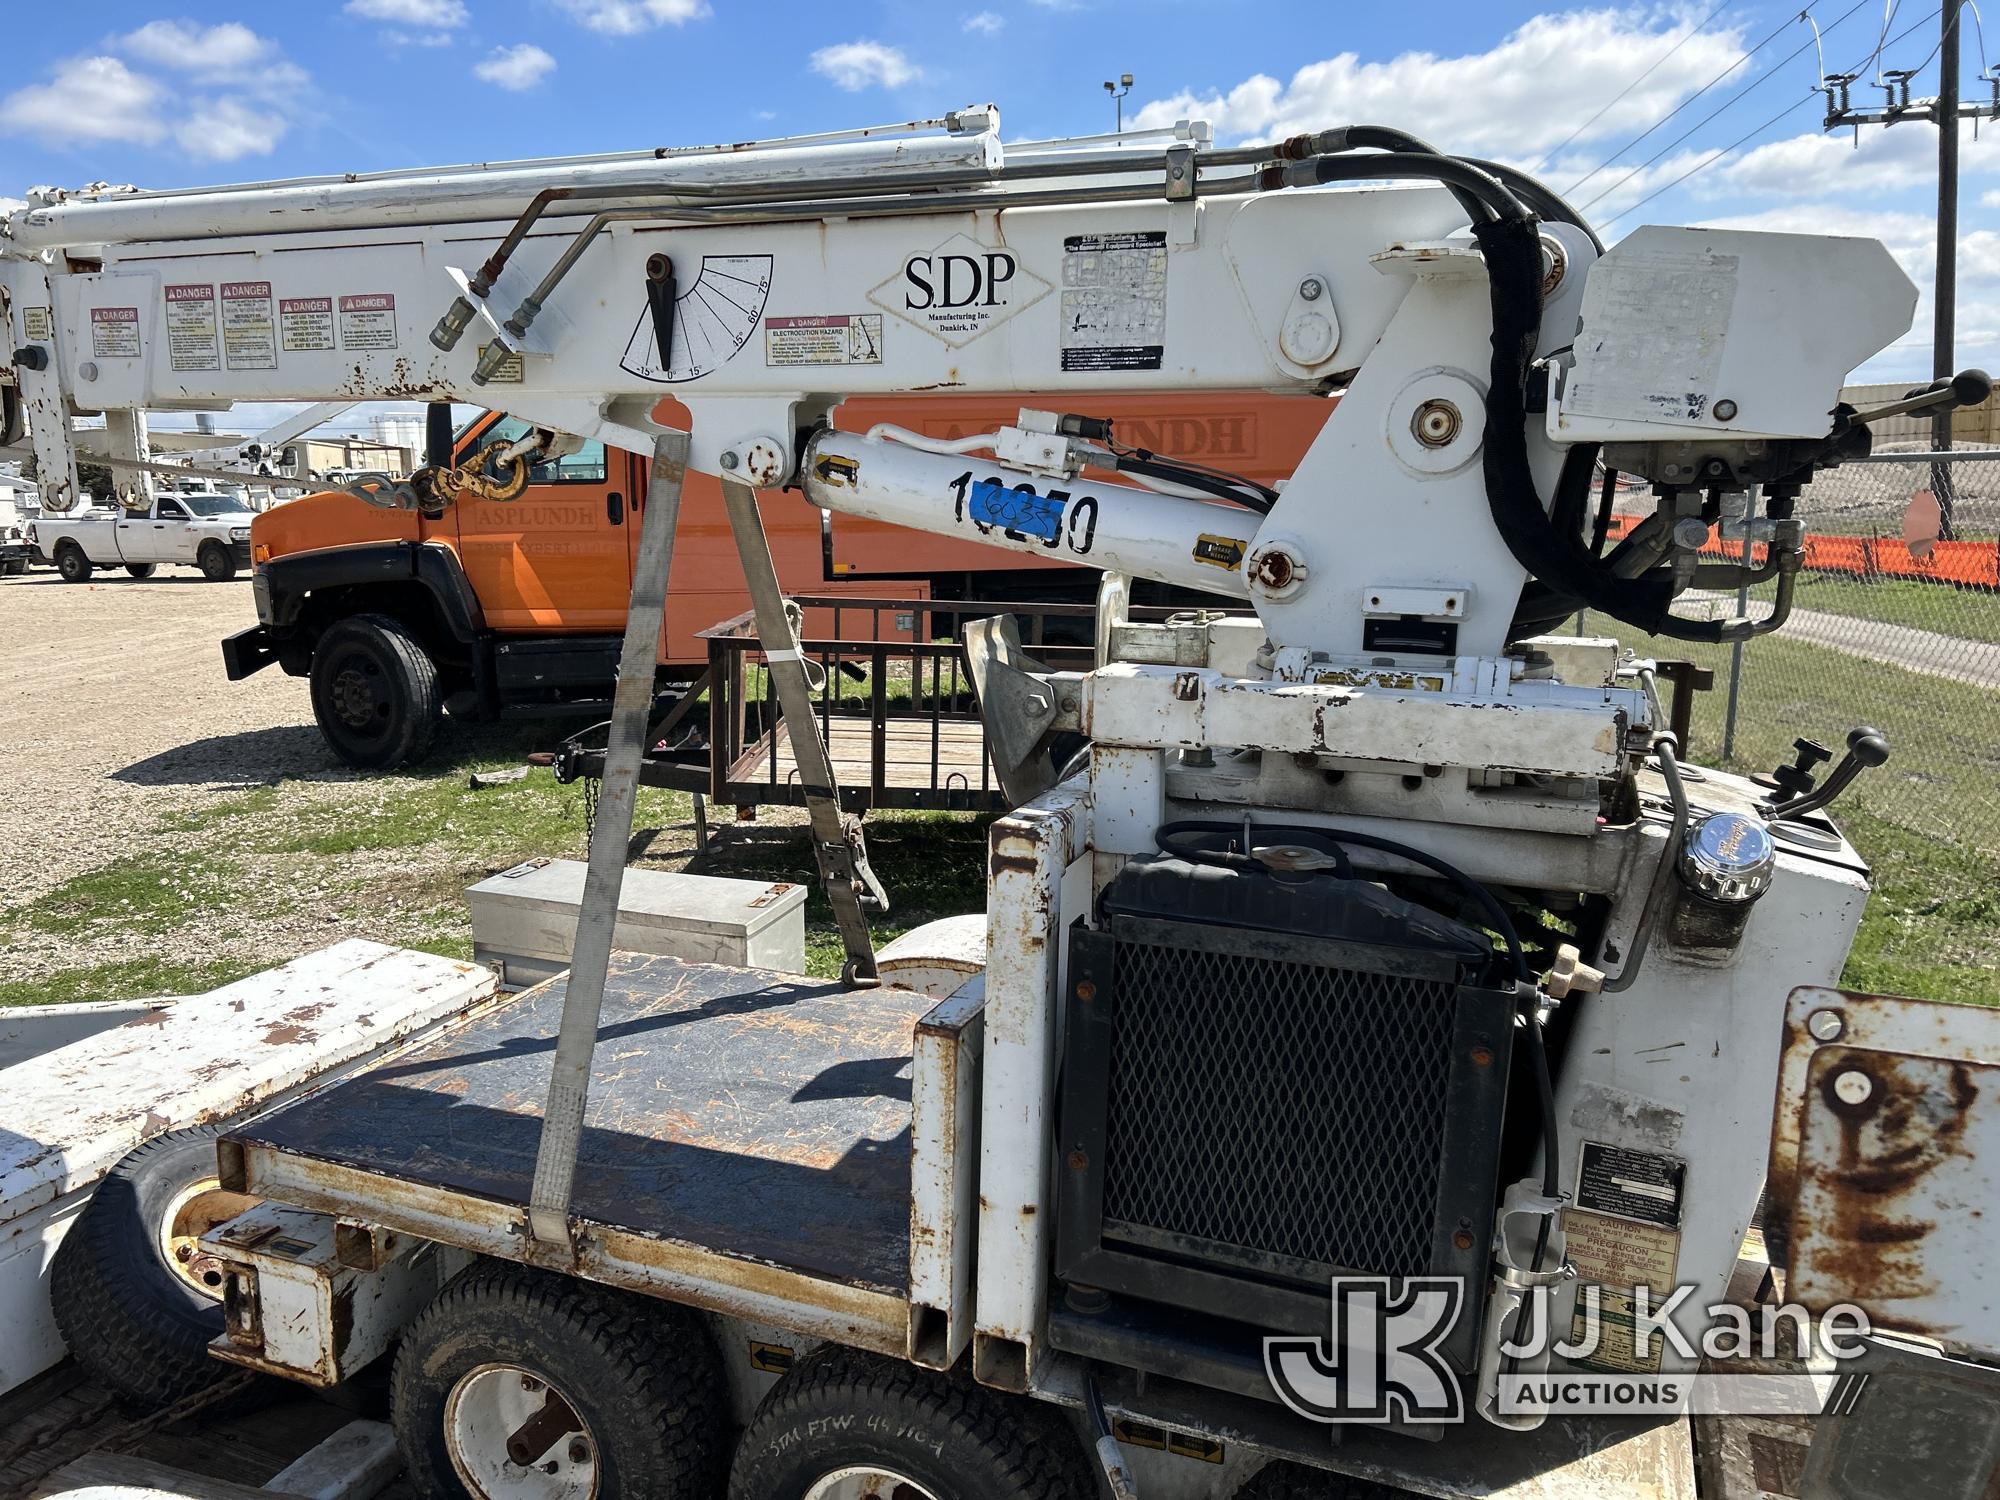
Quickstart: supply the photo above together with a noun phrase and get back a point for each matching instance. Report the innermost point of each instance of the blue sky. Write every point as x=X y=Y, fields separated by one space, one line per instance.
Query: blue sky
x=186 y=91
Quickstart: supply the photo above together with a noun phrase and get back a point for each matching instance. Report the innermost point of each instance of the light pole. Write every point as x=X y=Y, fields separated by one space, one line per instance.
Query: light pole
x=1118 y=91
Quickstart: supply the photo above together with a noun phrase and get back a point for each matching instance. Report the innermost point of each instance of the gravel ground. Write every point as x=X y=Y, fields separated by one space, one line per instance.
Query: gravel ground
x=115 y=712
x=122 y=728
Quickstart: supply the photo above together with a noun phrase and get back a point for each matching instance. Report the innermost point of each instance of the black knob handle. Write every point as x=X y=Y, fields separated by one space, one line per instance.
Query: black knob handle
x=1971 y=386
x=1797 y=779
x=1868 y=746
x=32 y=357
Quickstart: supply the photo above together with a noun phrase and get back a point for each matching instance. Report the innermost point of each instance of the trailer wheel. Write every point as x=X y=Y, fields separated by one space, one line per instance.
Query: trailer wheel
x=845 y=1425
x=217 y=566
x=142 y=570
x=129 y=1305
x=72 y=563
x=516 y=1384
x=375 y=692
x=1283 y=1481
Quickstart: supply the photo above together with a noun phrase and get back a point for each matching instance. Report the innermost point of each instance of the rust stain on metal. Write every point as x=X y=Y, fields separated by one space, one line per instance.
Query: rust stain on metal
x=283 y=1036
x=1866 y=1238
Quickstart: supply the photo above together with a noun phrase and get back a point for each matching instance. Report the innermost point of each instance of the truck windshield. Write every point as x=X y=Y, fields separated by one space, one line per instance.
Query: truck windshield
x=211 y=505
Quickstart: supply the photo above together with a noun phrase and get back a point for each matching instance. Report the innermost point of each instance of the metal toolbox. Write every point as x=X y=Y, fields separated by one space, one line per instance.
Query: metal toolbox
x=524 y=919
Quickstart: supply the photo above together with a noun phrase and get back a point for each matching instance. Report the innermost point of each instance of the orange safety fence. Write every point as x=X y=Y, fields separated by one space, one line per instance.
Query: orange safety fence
x=1964 y=564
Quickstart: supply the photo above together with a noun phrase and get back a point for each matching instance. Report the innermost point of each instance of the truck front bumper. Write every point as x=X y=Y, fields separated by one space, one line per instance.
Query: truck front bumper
x=247 y=652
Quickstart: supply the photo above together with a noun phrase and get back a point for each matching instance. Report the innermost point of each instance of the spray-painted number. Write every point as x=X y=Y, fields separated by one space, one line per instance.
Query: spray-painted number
x=1019 y=513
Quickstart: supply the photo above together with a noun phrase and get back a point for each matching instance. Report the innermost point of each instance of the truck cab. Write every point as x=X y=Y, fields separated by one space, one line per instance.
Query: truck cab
x=510 y=608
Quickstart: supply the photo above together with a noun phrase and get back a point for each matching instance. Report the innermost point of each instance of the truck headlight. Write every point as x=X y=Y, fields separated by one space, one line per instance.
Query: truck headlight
x=239 y=533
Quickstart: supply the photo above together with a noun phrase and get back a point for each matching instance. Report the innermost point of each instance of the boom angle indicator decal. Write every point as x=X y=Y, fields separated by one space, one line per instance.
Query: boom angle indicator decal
x=714 y=316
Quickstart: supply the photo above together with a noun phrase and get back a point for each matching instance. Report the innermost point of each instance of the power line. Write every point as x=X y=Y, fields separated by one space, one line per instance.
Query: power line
x=1722 y=108
x=1686 y=102
x=1615 y=98
x=1717 y=156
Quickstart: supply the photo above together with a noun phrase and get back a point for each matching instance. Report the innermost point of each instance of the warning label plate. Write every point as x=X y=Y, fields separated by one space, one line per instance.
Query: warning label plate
x=38 y=323
x=249 y=327
x=1619 y=1255
x=191 y=331
x=114 y=332
x=305 y=323
x=1114 y=301
x=368 y=321
x=824 y=339
x=1642 y=1185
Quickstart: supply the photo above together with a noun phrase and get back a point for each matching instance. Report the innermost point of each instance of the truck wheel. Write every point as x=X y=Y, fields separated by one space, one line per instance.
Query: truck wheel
x=522 y=1383
x=845 y=1425
x=1296 y=1482
x=129 y=1307
x=217 y=566
x=72 y=563
x=142 y=570
x=375 y=692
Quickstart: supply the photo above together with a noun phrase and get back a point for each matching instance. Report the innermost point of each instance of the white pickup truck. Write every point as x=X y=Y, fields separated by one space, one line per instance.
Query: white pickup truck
x=206 y=531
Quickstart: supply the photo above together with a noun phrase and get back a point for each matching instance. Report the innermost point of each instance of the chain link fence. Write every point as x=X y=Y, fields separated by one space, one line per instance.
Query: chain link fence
x=1895 y=624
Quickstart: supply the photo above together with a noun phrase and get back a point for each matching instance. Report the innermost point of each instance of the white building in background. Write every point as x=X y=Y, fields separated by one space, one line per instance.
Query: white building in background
x=398 y=430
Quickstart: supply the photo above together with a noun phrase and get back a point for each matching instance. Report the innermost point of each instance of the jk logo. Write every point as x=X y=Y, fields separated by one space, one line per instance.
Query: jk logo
x=1382 y=1362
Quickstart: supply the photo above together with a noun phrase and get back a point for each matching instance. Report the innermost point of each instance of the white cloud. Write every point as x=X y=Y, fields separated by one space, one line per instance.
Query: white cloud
x=518 y=68
x=629 y=17
x=985 y=23
x=1521 y=97
x=88 y=99
x=1882 y=161
x=859 y=65
x=227 y=129
x=434 y=14
x=419 y=38
x=248 y=96
x=205 y=51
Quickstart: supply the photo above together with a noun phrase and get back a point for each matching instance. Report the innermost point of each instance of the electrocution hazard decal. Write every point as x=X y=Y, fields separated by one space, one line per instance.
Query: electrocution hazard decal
x=824 y=339
x=1114 y=301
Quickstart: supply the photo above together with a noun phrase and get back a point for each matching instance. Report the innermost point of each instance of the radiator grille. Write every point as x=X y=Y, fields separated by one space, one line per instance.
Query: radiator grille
x=1216 y=1057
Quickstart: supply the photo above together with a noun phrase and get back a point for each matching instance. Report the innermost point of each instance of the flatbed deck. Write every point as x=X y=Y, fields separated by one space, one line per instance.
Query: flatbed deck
x=747 y=1144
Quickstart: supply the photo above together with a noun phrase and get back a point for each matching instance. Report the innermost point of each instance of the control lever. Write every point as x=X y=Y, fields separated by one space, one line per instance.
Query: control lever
x=1865 y=748
x=1966 y=388
x=1797 y=779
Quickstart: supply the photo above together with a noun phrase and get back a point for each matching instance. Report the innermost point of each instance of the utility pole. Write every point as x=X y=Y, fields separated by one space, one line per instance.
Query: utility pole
x=1945 y=111
x=1118 y=91
x=1944 y=296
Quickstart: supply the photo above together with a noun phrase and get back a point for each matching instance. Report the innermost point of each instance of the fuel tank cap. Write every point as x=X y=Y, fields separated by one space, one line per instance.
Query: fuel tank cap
x=1728 y=857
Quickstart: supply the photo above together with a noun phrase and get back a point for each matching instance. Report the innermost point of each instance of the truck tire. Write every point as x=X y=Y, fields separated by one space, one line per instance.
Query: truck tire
x=73 y=563
x=217 y=566
x=130 y=1310
x=142 y=570
x=843 y=1425
x=1282 y=1481
x=375 y=692
x=631 y=1387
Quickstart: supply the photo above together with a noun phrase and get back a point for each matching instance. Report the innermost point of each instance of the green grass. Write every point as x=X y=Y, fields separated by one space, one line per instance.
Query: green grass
x=129 y=980
x=145 y=896
x=1969 y=614
x=1928 y=821
x=1932 y=927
